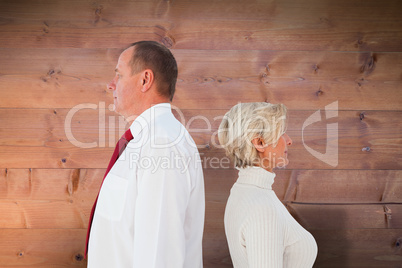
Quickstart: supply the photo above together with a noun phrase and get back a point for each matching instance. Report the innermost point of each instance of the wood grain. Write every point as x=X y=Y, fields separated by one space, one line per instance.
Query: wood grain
x=306 y=54
x=339 y=217
x=38 y=138
x=270 y=25
x=338 y=248
x=358 y=248
x=226 y=9
x=39 y=248
x=351 y=199
x=43 y=215
x=297 y=186
x=70 y=185
x=321 y=187
x=303 y=80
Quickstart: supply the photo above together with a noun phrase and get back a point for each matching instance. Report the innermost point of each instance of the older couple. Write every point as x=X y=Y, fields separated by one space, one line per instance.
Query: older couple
x=149 y=218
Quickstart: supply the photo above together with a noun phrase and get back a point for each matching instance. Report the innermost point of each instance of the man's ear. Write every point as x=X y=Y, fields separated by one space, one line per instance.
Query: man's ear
x=147 y=79
x=259 y=144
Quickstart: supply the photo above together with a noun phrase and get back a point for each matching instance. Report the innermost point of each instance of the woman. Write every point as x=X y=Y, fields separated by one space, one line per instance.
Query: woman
x=259 y=229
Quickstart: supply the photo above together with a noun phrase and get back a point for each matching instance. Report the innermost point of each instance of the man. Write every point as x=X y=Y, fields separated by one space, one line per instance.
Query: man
x=150 y=209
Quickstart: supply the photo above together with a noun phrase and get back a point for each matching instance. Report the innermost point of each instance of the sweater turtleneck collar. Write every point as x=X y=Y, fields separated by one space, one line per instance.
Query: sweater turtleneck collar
x=256 y=176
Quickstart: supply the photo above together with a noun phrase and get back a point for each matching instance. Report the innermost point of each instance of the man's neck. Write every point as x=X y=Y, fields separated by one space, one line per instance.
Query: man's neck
x=139 y=110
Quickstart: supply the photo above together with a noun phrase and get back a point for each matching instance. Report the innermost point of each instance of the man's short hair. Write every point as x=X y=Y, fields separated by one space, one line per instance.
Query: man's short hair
x=246 y=121
x=158 y=58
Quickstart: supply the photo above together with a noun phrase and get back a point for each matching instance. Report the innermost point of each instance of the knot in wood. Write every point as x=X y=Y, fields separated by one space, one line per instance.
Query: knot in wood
x=361 y=116
x=98 y=10
x=369 y=64
x=319 y=92
x=388 y=212
x=359 y=43
x=63 y=160
x=366 y=149
x=167 y=42
x=398 y=243
x=79 y=257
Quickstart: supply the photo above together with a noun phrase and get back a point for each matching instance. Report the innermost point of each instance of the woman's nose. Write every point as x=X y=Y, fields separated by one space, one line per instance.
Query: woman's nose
x=288 y=139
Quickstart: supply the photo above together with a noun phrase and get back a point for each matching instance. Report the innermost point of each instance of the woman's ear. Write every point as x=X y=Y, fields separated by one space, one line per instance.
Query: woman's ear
x=259 y=144
x=147 y=79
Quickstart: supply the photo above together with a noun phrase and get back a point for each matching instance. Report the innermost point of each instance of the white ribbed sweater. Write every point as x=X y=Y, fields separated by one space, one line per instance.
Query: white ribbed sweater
x=260 y=231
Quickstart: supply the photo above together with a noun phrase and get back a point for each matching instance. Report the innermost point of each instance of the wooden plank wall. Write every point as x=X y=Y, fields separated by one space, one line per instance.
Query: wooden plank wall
x=58 y=55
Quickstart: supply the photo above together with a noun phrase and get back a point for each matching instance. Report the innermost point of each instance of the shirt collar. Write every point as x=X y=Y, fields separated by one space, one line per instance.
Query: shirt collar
x=148 y=116
x=256 y=176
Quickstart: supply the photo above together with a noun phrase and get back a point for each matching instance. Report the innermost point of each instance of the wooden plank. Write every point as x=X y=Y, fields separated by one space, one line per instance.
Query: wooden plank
x=335 y=186
x=318 y=186
x=44 y=214
x=69 y=77
x=218 y=184
x=36 y=138
x=339 y=217
x=337 y=248
x=215 y=209
x=62 y=198
x=358 y=248
x=262 y=25
x=225 y=9
x=39 y=248
x=78 y=186
x=215 y=250
x=341 y=186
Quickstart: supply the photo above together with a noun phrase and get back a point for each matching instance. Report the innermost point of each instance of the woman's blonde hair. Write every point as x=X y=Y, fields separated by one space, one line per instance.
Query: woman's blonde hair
x=246 y=121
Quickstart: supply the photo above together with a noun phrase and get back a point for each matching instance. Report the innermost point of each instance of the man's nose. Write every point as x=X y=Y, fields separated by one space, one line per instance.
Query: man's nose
x=111 y=86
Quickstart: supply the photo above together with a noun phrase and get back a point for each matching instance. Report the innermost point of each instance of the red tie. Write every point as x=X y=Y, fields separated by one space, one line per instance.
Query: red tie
x=120 y=146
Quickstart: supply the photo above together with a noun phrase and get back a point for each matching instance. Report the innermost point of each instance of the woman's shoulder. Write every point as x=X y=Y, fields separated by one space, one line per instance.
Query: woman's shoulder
x=253 y=200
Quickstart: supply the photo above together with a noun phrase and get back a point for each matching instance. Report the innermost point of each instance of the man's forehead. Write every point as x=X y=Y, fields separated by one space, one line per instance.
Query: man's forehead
x=124 y=58
x=127 y=53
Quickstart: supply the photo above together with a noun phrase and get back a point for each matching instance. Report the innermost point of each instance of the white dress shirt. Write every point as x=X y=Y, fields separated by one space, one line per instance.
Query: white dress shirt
x=150 y=209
